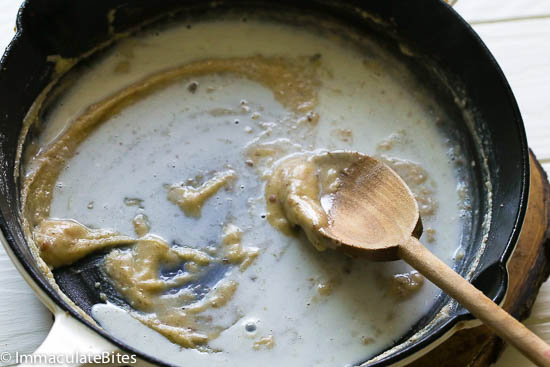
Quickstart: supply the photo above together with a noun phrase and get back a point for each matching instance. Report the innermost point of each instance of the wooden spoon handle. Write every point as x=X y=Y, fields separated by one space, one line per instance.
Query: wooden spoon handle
x=507 y=327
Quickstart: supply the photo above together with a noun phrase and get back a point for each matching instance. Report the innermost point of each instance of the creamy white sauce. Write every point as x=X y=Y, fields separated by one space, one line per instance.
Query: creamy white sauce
x=172 y=136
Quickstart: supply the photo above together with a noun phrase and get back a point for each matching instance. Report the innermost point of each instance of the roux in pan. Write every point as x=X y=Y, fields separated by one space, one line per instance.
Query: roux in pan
x=175 y=152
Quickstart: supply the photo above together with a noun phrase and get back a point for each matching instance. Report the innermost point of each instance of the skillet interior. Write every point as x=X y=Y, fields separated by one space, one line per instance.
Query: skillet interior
x=455 y=57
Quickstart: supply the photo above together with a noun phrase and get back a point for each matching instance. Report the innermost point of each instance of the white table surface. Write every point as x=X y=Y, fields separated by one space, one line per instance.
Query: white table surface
x=518 y=34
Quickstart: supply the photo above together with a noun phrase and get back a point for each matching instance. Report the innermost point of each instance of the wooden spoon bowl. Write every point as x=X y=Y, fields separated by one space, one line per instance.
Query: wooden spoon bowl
x=373 y=211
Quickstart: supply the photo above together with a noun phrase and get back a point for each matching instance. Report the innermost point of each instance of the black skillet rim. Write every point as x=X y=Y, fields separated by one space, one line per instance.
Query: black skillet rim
x=436 y=334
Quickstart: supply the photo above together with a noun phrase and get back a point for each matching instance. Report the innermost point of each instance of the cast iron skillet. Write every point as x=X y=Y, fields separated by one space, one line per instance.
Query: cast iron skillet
x=451 y=55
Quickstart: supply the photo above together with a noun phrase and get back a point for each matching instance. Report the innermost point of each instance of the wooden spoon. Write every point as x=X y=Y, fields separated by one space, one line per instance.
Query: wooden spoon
x=374 y=214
